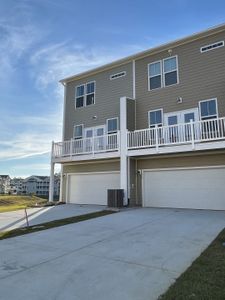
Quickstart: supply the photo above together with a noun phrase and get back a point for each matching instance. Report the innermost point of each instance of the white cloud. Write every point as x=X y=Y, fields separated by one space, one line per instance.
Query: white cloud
x=35 y=140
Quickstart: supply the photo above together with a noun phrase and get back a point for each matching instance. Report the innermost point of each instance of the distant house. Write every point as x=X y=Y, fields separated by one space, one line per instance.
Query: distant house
x=4 y=184
x=39 y=185
x=16 y=185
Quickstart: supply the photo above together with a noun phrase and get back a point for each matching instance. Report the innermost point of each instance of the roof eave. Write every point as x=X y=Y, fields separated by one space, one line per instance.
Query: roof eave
x=163 y=47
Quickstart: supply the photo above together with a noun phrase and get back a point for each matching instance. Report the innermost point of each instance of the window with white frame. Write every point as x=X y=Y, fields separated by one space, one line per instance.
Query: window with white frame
x=78 y=131
x=155 y=117
x=112 y=125
x=208 y=109
x=90 y=93
x=79 y=102
x=163 y=73
x=170 y=71
x=155 y=75
x=85 y=94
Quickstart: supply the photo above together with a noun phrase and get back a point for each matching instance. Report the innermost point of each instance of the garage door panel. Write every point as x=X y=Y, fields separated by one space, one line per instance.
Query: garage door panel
x=191 y=188
x=91 y=188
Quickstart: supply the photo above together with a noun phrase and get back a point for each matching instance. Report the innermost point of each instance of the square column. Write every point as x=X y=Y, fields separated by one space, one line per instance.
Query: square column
x=123 y=149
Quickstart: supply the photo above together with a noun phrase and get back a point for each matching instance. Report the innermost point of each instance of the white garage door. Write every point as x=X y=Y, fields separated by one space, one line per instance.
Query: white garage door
x=202 y=188
x=91 y=188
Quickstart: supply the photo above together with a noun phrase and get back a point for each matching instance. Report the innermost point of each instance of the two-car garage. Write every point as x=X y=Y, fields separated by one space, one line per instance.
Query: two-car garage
x=191 y=181
x=196 y=188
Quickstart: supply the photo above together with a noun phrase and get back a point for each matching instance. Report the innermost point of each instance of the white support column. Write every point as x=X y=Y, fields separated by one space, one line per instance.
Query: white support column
x=61 y=185
x=123 y=148
x=51 y=183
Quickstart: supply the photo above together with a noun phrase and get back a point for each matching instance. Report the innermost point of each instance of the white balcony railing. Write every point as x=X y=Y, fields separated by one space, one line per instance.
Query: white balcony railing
x=193 y=132
x=199 y=132
x=91 y=145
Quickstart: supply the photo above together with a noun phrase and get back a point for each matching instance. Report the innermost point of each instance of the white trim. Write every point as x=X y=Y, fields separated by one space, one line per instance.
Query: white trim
x=164 y=73
x=194 y=110
x=77 y=86
x=94 y=128
x=118 y=75
x=67 y=187
x=128 y=178
x=91 y=162
x=86 y=94
x=64 y=111
x=76 y=125
x=177 y=149
x=134 y=78
x=61 y=184
x=123 y=147
x=211 y=45
x=154 y=111
x=161 y=71
x=114 y=131
x=200 y=113
x=93 y=173
x=184 y=168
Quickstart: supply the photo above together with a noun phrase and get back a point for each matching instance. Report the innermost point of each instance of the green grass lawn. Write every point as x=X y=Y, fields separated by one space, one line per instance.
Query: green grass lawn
x=52 y=224
x=15 y=202
x=205 y=278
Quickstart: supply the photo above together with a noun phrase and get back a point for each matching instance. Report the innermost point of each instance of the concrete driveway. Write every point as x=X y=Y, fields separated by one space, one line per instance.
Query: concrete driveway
x=132 y=255
x=15 y=219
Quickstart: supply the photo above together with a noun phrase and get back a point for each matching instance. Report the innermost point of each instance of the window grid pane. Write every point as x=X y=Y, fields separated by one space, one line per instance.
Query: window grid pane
x=155 y=69
x=78 y=131
x=208 y=108
x=155 y=117
x=90 y=88
x=80 y=91
x=170 y=64
x=112 y=125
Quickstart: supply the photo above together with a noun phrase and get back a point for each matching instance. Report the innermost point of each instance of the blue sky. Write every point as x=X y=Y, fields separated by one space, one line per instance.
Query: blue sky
x=42 y=41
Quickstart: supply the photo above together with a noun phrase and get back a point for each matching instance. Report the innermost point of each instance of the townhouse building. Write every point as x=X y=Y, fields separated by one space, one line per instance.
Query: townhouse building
x=39 y=185
x=152 y=124
x=4 y=184
x=16 y=185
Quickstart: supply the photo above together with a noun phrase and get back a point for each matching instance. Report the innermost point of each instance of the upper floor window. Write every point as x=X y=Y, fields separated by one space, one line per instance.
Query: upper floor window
x=170 y=70
x=208 y=109
x=112 y=125
x=79 y=102
x=212 y=46
x=90 y=93
x=78 y=131
x=85 y=94
x=155 y=75
x=163 y=73
x=155 y=117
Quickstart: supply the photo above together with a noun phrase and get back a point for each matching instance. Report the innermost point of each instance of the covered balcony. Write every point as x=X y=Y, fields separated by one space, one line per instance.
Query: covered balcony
x=199 y=135
x=96 y=147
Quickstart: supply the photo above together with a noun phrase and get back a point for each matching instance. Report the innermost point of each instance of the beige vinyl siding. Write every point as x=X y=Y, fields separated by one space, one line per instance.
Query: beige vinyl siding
x=107 y=99
x=130 y=114
x=92 y=167
x=178 y=161
x=201 y=76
